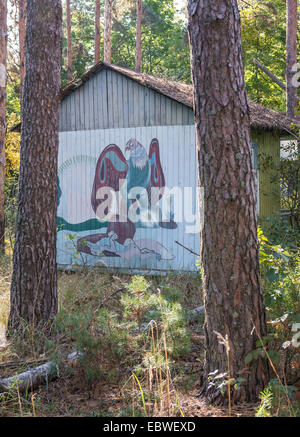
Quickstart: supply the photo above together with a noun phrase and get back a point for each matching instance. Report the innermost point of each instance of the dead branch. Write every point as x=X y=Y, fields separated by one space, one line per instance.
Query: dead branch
x=32 y=378
x=186 y=248
x=270 y=74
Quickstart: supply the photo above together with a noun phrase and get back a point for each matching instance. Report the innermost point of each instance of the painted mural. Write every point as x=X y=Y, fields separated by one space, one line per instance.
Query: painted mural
x=131 y=178
x=117 y=202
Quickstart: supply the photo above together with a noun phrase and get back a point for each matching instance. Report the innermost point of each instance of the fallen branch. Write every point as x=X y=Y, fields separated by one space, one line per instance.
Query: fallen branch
x=32 y=378
x=270 y=74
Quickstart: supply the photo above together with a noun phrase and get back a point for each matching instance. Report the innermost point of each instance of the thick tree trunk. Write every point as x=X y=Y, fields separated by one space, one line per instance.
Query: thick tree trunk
x=69 y=41
x=139 y=14
x=34 y=279
x=233 y=299
x=291 y=56
x=107 y=31
x=3 y=55
x=97 y=31
x=22 y=34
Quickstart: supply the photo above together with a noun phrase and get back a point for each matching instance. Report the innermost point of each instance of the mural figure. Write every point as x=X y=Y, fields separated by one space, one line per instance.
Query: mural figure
x=122 y=174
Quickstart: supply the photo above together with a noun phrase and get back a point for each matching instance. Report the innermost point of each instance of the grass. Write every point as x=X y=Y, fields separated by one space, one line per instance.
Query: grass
x=141 y=354
x=97 y=315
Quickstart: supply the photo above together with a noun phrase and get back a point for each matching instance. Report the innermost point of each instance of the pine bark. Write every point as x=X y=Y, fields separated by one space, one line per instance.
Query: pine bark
x=139 y=14
x=22 y=34
x=3 y=75
x=97 y=31
x=107 y=31
x=233 y=300
x=34 y=279
x=69 y=42
x=291 y=56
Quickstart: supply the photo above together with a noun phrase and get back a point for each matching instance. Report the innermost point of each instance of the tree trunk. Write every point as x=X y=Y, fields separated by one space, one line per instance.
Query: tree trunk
x=139 y=14
x=291 y=56
x=107 y=31
x=22 y=33
x=233 y=298
x=97 y=31
x=3 y=55
x=34 y=279
x=69 y=39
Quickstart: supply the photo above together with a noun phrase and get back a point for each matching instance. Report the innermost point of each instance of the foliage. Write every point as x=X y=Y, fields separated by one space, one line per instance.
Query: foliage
x=164 y=38
x=111 y=336
x=263 y=38
x=12 y=148
x=290 y=182
x=266 y=398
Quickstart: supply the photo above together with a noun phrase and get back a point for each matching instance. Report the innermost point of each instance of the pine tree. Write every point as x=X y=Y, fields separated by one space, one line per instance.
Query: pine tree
x=97 y=31
x=291 y=56
x=69 y=39
x=3 y=75
x=22 y=33
x=234 y=305
x=34 y=279
x=139 y=13
x=107 y=31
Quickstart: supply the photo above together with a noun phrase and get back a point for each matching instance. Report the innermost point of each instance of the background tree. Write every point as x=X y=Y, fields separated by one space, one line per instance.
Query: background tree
x=291 y=56
x=97 y=31
x=34 y=279
x=107 y=31
x=3 y=75
x=69 y=39
x=139 y=14
x=234 y=305
x=22 y=33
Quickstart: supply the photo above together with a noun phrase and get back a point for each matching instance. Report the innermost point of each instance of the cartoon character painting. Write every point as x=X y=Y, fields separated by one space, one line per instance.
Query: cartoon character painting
x=137 y=183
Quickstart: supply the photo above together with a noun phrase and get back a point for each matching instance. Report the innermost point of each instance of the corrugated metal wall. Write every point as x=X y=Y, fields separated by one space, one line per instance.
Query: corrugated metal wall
x=110 y=100
x=152 y=248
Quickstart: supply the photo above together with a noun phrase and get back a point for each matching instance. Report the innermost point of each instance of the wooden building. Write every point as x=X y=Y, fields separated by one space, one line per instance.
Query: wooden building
x=119 y=125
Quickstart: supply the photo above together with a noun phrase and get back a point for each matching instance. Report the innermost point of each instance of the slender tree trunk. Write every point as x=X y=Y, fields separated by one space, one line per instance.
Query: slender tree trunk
x=22 y=33
x=291 y=56
x=69 y=39
x=107 y=31
x=234 y=305
x=139 y=14
x=3 y=75
x=34 y=279
x=97 y=31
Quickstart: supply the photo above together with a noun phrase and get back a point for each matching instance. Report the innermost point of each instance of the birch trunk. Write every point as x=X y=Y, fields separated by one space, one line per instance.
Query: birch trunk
x=34 y=279
x=233 y=300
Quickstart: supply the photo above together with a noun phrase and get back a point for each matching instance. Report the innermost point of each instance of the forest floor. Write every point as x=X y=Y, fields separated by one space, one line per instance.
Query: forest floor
x=119 y=373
